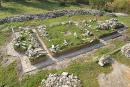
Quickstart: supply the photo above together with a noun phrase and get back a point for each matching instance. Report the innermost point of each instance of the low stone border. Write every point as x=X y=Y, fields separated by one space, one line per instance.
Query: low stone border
x=73 y=49
x=34 y=61
x=52 y=14
x=106 y=35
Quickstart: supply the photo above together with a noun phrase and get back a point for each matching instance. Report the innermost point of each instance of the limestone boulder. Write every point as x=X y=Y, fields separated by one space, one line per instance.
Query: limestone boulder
x=126 y=50
x=104 y=60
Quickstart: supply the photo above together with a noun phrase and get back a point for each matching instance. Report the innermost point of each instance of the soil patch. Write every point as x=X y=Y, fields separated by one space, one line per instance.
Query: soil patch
x=119 y=77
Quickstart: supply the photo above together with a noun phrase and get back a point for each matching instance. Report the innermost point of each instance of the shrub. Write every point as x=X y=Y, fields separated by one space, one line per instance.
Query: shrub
x=119 y=5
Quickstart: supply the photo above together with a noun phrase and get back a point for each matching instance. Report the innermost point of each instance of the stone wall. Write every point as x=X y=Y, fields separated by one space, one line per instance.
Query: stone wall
x=48 y=15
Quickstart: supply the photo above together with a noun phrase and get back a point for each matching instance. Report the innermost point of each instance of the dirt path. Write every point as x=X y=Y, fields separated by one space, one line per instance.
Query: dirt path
x=44 y=46
x=119 y=77
x=52 y=62
x=9 y=55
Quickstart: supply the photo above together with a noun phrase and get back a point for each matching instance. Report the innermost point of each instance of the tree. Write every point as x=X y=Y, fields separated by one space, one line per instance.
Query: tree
x=0 y=3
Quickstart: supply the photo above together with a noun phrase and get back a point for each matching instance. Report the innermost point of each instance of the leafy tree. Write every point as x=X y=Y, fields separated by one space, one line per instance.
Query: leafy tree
x=0 y=3
x=119 y=5
x=99 y=4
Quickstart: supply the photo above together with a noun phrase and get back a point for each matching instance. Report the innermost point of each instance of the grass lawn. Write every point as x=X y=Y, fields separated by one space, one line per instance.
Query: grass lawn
x=32 y=7
x=4 y=35
x=86 y=69
x=8 y=76
x=58 y=33
x=121 y=58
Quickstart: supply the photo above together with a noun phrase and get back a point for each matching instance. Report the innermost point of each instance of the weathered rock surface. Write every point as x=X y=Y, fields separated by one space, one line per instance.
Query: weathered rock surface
x=28 y=44
x=126 y=50
x=61 y=80
x=110 y=24
x=105 y=59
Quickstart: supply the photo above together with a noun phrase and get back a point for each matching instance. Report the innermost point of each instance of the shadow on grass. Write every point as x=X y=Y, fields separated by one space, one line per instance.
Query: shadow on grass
x=10 y=10
x=45 y=5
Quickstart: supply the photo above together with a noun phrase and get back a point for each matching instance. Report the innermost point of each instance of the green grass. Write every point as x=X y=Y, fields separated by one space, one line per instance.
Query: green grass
x=121 y=58
x=4 y=35
x=8 y=76
x=86 y=69
x=54 y=20
x=32 y=7
x=56 y=34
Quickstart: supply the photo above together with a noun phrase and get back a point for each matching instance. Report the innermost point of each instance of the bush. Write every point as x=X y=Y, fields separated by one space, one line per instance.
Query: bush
x=119 y=5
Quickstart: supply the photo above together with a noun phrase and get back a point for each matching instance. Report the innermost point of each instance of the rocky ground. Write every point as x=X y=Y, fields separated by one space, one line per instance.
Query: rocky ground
x=61 y=80
x=50 y=64
x=119 y=77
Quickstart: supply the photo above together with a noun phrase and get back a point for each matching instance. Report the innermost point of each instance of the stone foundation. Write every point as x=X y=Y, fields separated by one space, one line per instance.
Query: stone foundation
x=48 y=15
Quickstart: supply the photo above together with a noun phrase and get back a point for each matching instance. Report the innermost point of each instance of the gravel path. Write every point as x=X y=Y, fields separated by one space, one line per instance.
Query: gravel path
x=119 y=77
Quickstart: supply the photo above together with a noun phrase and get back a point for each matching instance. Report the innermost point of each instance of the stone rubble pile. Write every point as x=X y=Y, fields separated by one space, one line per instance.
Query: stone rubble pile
x=55 y=48
x=64 y=23
x=84 y=26
x=126 y=50
x=42 y=30
x=27 y=43
x=104 y=60
x=110 y=24
x=61 y=80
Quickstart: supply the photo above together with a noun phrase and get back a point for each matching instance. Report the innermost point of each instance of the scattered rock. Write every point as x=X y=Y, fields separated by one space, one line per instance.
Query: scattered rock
x=65 y=42
x=88 y=33
x=104 y=60
x=75 y=34
x=28 y=44
x=112 y=23
x=126 y=50
x=61 y=80
x=55 y=48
